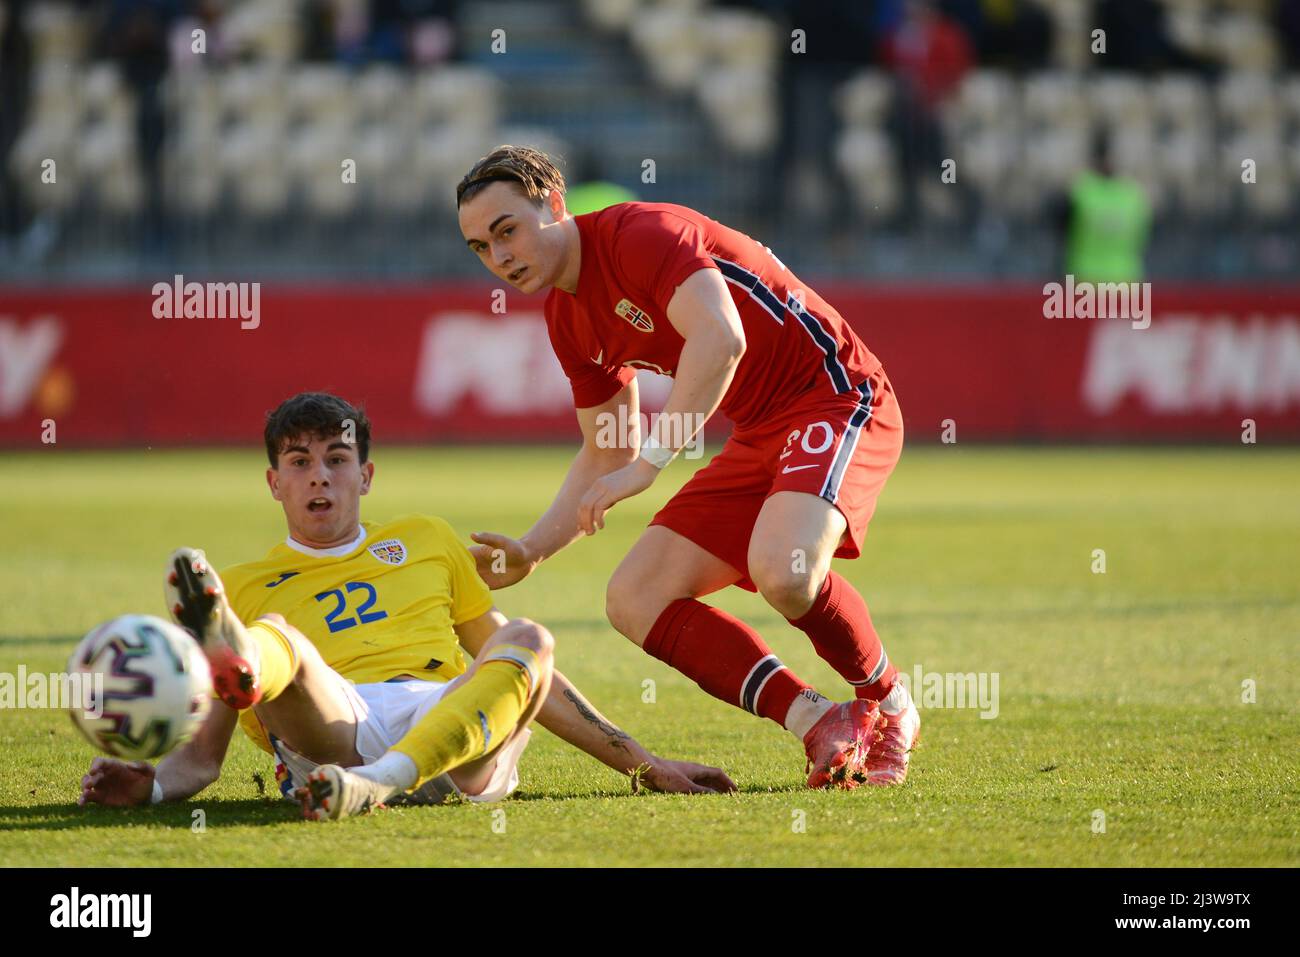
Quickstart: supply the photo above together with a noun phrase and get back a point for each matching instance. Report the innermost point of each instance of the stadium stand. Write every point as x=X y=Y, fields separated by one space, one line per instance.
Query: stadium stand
x=234 y=154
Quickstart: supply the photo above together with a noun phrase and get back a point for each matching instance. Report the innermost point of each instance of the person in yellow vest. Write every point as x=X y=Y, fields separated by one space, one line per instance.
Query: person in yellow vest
x=1106 y=219
x=592 y=192
x=595 y=195
x=341 y=652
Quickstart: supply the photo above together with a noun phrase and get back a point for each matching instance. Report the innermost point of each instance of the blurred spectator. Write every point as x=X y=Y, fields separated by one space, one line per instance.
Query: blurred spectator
x=929 y=53
x=15 y=91
x=135 y=34
x=1137 y=38
x=1012 y=34
x=203 y=15
x=588 y=188
x=1287 y=21
x=419 y=32
x=1106 y=222
x=316 y=25
x=838 y=40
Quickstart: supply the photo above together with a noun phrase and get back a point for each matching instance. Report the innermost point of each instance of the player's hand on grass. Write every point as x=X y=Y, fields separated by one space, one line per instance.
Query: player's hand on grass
x=115 y=783
x=609 y=489
x=684 y=777
x=501 y=560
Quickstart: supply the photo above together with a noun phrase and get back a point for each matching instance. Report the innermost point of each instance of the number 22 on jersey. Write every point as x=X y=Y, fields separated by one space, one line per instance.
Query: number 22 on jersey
x=364 y=615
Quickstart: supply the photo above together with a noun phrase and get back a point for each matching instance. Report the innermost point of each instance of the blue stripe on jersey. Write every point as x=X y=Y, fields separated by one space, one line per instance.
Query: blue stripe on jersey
x=765 y=297
x=825 y=341
x=742 y=277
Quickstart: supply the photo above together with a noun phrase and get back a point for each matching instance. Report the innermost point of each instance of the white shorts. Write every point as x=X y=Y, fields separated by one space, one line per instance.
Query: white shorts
x=386 y=711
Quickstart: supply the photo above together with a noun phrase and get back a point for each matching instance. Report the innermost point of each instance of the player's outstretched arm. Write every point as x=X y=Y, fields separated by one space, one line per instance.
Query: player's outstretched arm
x=181 y=774
x=502 y=560
x=568 y=715
x=705 y=315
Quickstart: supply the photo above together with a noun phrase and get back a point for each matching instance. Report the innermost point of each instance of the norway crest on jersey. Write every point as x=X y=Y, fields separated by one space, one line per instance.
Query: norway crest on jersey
x=390 y=551
x=635 y=315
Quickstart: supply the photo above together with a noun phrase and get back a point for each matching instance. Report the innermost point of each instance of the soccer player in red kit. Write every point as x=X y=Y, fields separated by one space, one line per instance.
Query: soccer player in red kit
x=817 y=432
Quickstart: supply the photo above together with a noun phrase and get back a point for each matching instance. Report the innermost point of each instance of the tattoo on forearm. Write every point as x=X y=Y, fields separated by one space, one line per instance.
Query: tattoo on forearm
x=617 y=738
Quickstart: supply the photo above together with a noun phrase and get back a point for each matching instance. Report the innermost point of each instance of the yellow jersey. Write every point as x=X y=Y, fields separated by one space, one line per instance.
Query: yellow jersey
x=381 y=606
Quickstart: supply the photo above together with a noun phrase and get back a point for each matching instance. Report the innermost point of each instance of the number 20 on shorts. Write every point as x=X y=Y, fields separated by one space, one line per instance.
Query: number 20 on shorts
x=825 y=436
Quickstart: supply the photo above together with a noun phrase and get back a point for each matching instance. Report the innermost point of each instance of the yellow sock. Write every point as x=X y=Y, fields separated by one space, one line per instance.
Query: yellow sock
x=476 y=716
x=279 y=660
x=279 y=664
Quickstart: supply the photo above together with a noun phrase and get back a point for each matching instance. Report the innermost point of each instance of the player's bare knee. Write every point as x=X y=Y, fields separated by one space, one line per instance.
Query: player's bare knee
x=621 y=603
x=785 y=586
x=533 y=636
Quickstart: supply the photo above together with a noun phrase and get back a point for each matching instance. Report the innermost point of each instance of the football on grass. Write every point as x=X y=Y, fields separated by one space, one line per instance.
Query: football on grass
x=145 y=687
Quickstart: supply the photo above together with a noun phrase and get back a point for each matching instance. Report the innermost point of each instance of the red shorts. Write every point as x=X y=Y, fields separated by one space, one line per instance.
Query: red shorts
x=839 y=447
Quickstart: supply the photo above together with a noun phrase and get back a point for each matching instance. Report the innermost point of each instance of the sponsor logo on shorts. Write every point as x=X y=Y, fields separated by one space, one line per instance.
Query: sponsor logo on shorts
x=391 y=551
x=635 y=315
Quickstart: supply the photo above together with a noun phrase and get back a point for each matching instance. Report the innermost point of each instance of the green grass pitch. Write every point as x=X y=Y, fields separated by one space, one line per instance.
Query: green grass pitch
x=1119 y=693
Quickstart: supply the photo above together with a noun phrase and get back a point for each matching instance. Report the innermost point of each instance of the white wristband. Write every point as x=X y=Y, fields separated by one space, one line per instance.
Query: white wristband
x=157 y=796
x=656 y=454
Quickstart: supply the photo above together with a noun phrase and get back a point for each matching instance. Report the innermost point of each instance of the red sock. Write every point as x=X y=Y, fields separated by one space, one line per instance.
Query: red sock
x=841 y=631
x=725 y=657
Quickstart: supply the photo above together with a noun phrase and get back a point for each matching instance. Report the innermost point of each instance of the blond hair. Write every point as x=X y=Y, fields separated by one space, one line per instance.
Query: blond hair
x=529 y=169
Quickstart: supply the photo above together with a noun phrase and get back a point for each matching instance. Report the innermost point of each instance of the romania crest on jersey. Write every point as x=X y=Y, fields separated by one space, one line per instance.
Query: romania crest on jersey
x=390 y=550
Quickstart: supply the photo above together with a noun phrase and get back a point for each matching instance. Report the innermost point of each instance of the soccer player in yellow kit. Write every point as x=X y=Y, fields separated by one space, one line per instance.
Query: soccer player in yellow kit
x=340 y=652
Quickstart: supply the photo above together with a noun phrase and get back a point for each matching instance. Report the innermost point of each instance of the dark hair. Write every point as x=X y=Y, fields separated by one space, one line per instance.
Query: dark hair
x=318 y=415
x=529 y=169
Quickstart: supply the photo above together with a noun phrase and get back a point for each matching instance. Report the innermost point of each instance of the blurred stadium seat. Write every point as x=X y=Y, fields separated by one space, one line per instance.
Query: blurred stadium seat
x=252 y=133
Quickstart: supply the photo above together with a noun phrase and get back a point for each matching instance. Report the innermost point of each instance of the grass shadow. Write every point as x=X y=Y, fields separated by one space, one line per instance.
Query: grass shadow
x=601 y=795
x=66 y=816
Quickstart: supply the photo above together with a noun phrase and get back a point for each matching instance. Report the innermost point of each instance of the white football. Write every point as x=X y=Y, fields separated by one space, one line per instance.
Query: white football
x=149 y=687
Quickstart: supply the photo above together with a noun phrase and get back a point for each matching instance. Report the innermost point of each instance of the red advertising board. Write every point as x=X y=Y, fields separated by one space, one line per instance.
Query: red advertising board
x=437 y=363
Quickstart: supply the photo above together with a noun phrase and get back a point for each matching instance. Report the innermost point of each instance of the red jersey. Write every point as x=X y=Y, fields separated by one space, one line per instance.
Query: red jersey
x=635 y=255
